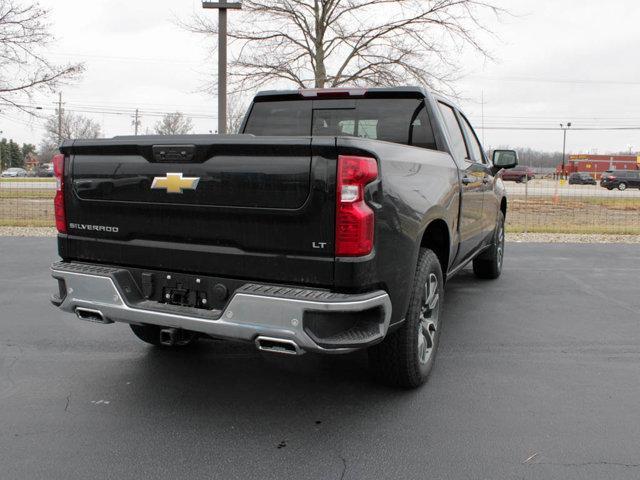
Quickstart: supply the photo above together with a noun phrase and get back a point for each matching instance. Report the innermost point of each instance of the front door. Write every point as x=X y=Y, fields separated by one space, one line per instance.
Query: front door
x=491 y=202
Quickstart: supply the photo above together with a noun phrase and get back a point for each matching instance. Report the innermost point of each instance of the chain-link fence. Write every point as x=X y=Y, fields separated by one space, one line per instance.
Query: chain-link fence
x=27 y=202
x=541 y=204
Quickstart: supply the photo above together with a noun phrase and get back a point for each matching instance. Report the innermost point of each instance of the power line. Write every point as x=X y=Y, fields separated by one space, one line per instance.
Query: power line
x=522 y=123
x=558 y=80
x=16 y=120
x=556 y=129
x=121 y=112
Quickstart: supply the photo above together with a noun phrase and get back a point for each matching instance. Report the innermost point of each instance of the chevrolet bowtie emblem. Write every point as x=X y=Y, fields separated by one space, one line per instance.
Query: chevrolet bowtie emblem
x=175 y=183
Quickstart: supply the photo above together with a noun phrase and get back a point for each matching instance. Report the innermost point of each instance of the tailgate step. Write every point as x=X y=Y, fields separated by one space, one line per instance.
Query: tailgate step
x=85 y=268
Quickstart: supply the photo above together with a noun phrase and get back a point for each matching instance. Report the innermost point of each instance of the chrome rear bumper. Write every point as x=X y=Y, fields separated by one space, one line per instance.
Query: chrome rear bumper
x=105 y=295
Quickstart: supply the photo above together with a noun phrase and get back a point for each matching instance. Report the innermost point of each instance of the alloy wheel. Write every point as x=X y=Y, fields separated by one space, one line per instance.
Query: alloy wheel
x=428 y=322
x=500 y=245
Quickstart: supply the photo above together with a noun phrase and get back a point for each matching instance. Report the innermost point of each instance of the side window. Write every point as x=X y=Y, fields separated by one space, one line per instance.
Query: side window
x=421 y=133
x=457 y=139
x=475 y=147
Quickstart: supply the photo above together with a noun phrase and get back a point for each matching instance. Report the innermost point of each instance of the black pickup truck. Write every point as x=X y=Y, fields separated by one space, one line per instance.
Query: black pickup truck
x=330 y=224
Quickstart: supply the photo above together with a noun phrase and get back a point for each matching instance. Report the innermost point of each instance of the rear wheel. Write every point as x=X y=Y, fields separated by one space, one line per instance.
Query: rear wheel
x=489 y=264
x=151 y=335
x=622 y=186
x=405 y=358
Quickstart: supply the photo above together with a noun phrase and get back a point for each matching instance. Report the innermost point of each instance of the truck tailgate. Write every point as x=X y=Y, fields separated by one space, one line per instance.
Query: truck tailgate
x=237 y=206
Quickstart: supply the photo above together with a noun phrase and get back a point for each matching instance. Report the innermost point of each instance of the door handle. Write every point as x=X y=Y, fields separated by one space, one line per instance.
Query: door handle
x=467 y=180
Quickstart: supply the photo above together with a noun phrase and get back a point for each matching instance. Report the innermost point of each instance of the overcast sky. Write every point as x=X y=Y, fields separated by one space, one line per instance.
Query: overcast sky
x=556 y=61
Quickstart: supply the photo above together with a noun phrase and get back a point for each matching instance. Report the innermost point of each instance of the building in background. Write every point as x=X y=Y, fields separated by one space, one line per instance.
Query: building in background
x=31 y=162
x=596 y=164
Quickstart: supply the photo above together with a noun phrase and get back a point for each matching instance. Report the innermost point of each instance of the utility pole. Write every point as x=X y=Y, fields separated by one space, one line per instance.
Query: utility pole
x=1 y=168
x=564 y=146
x=222 y=8
x=136 y=122
x=60 y=117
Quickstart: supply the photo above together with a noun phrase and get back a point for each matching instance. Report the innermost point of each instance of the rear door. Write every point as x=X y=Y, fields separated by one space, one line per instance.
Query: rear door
x=472 y=175
x=230 y=206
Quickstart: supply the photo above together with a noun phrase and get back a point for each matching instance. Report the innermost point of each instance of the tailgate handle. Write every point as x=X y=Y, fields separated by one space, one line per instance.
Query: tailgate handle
x=173 y=153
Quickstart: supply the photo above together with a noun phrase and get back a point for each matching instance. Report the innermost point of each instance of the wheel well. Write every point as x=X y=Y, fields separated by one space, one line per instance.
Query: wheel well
x=436 y=238
x=503 y=207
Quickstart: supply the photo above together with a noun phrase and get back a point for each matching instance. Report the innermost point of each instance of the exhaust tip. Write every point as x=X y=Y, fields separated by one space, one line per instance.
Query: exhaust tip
x=278 y=345
x=90 y=315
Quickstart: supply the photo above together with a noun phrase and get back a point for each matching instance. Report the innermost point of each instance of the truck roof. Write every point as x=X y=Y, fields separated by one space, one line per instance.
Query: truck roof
x=344 y=92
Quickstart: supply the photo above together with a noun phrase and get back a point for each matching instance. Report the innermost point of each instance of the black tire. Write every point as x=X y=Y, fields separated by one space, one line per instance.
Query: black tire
x=151 y=335
x=406 y=357
x=622 y=186
x=489 y=263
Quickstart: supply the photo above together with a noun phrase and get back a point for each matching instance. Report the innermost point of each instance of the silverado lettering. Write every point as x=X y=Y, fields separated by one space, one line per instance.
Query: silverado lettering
x=96 y=228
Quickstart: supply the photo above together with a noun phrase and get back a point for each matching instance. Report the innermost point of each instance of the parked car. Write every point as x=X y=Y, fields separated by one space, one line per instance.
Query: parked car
x=14 y=172
x=620 y=179
x=45 y=170
x=331 y=227
x=581 y=178
x=519 y=174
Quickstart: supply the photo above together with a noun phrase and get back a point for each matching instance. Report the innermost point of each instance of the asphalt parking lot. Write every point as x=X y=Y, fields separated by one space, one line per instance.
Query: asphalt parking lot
x=538 y=376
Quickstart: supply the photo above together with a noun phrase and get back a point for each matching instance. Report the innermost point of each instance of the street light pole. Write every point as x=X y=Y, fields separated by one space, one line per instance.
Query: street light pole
x=222 y=8
x=564 y=146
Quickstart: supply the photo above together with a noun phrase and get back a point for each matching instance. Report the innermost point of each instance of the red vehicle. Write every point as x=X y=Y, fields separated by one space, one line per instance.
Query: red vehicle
x=519 y=174
x=597 y=165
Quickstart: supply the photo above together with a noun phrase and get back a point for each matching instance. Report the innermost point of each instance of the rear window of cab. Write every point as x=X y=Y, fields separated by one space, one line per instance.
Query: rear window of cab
x=397 y=120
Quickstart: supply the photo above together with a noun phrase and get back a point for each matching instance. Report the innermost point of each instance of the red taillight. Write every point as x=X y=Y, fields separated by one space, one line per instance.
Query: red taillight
x=58 y=202
x=354 y=218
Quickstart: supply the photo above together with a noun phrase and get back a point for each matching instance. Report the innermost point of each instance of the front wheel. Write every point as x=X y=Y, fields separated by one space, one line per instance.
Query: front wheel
x=489 y=263
x=405 y=358
x=622 y=187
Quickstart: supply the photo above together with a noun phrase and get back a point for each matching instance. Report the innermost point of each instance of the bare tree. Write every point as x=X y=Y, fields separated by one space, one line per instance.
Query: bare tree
x=174 y=124
x=64 y=127
x=236 y=110
x=350 y=42
x=24 y=69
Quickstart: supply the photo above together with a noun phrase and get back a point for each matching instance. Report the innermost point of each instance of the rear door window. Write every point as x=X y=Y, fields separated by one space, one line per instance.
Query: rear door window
x=455 y=133
x=475 y=147
x=421 y=133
